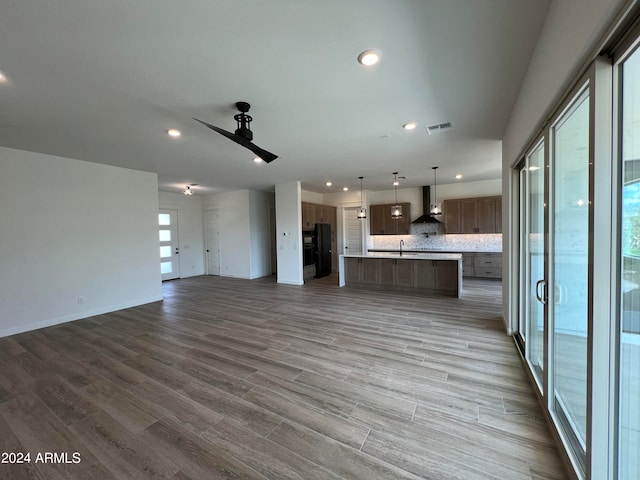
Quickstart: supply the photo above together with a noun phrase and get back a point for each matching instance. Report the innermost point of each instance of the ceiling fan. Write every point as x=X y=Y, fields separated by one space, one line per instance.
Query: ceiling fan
x=243 y=134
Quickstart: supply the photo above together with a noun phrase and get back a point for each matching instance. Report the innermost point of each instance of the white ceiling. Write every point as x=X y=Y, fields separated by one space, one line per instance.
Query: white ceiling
x=103 y=80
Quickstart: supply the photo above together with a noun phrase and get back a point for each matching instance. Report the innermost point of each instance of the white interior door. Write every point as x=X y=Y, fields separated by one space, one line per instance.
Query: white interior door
x=212 y=233
x=352 y=228
x=169 y=246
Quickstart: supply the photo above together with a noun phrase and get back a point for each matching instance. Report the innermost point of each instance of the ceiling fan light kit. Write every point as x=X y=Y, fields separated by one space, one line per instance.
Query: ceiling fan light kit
x=243 y=135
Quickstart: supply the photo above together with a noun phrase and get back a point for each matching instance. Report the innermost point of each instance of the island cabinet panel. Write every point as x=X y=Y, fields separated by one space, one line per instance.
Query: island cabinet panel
x=404 y=273
x=446 y=276
x=371 y=271
x=425 y=274
x=437 y=276
x=353 y=270
x=387 y=270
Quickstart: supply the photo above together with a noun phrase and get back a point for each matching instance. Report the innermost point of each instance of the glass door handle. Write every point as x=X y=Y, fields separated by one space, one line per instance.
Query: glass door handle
x=541 y=298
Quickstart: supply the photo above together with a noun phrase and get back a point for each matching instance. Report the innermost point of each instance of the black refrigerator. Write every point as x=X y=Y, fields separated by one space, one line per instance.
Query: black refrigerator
x=323 y=249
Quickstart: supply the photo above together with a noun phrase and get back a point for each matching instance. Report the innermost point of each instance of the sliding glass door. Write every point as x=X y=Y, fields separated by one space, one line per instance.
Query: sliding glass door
x=579 y=264
x=629 y=325
x=532 y=260
x=569 y=268
x=555 y=202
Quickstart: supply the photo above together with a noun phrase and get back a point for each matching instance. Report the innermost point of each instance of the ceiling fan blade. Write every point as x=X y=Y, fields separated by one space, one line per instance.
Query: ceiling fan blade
x=267 y=157
x=231 y=136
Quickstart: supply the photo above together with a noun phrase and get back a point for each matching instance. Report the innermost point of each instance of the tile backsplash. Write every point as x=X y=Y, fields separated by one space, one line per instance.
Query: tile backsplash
x=430 y=236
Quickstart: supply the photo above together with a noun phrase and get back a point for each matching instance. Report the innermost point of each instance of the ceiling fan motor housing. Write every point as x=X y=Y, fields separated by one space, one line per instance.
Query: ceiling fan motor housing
x=243 y=121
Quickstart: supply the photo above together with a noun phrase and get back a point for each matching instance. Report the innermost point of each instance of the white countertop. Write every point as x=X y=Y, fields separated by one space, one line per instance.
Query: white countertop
x=409 y=255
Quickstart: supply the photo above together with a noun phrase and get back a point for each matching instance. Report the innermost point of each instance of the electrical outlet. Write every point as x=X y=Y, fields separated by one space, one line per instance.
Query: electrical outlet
x=80 y=300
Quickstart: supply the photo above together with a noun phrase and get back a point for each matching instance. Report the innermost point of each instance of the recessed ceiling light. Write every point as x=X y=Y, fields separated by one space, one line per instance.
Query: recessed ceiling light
x=459 y=176
x=369 y=58
x=3 y=78
x=345 y=189
x=410 y=126
x=328 y=184
x=257 y=160
x=173 y=132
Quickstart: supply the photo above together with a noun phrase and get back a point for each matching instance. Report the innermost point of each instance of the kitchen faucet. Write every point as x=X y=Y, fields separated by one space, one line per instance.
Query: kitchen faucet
x=401 y=244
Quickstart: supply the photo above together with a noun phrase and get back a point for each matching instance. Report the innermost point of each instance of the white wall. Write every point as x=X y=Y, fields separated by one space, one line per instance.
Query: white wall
x=260 y=204
x=245 y=243
x=572 y=29
x=190 y=230
x=289 y=233
x=311 y=197
x=235 y=233
x=77 y=239
x=484 y=188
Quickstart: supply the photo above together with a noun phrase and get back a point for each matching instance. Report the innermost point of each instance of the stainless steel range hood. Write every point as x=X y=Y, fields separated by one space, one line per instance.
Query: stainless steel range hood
x=426 y=216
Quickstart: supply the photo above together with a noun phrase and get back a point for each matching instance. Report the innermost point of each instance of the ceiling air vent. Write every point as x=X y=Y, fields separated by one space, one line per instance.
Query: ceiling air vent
x=439 y=127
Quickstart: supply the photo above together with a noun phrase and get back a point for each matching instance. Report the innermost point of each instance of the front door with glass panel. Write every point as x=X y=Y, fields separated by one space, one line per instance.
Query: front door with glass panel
x=169 y=248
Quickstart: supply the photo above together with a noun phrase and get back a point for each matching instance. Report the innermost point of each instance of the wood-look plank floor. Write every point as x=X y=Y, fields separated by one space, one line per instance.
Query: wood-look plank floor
x=231 y=378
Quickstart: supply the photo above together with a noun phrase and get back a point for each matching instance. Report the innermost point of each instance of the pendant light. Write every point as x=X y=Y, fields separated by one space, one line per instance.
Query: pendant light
x=435 y=206
x=396 y=210
x=362 y=213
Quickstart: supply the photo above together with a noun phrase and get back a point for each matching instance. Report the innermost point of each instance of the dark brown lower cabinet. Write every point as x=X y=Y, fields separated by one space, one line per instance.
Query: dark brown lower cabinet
x=435 y=276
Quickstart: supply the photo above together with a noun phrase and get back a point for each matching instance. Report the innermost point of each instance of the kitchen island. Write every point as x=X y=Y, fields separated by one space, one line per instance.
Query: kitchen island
x=436 y=273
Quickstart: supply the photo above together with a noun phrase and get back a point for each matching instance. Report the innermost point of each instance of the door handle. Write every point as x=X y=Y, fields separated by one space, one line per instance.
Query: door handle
x=541 y=298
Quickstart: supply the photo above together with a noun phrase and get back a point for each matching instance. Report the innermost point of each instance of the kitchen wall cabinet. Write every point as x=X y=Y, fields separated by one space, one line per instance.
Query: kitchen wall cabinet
x=381 y=222
x=308 y=216
x=451 y=214
x=473 y=215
